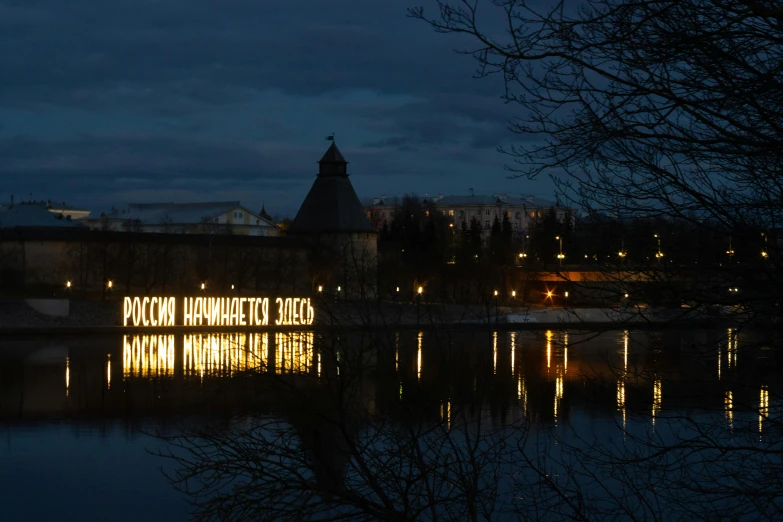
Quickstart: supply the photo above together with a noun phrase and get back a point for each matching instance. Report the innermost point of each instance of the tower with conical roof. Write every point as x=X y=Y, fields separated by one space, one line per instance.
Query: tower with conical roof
x=344 y=242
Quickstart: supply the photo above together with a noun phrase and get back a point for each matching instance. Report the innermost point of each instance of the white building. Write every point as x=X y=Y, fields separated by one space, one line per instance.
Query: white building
x=227 y=217
x=522 y=211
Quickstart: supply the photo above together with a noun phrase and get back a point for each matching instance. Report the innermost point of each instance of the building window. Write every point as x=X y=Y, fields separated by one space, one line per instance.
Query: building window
x=238 y=214
x=451 y=212
x=462 y=213
x=258 y=221
x=427 y=213
x=486 y=223
x=486 y=212
x=519 y=215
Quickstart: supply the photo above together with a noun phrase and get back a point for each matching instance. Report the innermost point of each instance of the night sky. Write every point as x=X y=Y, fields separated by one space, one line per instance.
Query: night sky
x=105 y=103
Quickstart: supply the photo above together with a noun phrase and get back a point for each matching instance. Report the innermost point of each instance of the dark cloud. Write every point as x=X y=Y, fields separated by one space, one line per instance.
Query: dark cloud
x=202 y=52
x=200 y=98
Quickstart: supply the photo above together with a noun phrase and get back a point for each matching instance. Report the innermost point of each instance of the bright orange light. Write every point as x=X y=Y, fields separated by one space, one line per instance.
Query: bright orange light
x=549 y=294
x=421 y=289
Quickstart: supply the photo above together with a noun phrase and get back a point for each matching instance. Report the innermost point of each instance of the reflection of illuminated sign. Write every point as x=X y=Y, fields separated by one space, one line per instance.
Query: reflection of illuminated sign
x=219 y=354
x=147 y=355
x=218 y=311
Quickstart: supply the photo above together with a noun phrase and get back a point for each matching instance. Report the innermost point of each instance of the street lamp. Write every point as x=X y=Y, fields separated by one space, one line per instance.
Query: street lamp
x=496 y=306
x=453 y=245
x=658 y=254
x=566 y=298
x=560 y=256
x=320 y=289
x=110 y=284
x=730 y=251
x=622 y=253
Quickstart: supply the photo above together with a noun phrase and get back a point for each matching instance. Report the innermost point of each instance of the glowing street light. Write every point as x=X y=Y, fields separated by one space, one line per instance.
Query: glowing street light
x=496 y=293
x=67 y=284
x=110 y=284
x=203 y=286
x=513 y=293
x=659 y=254
x=320 y=289
x=420 y=290
x=730 y=251
x=339 y=288
x=560 y=256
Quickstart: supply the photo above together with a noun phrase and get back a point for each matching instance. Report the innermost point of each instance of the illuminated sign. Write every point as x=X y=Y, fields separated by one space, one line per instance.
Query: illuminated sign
x=218 y=311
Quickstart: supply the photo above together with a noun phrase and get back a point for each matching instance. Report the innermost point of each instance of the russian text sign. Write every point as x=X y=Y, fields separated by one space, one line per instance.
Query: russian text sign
x=217 y=311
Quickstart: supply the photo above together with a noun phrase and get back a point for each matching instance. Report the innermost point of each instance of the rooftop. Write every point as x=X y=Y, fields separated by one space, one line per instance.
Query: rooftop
x=174 y=213
x=473 y=199
x=27 y=215
x=332 y=204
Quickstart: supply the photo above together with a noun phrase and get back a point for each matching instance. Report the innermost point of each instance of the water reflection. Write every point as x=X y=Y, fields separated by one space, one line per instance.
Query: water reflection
x=147 y=355
x=549 y=376
x=419 y=338
x=554 y=378
x=657 y=399
x=763 y=406
x=728 y=406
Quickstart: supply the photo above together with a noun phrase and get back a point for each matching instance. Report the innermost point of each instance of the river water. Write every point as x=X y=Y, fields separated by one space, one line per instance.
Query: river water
x=78 y=415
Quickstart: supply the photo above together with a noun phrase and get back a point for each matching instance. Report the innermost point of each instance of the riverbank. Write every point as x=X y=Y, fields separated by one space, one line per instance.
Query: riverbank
x=105 y=317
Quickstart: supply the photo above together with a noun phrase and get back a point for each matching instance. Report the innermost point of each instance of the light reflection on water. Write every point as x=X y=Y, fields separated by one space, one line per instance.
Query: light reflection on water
x=555 y=379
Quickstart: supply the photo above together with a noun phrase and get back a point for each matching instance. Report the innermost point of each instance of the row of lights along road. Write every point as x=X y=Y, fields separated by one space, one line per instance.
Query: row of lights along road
x=658 y=255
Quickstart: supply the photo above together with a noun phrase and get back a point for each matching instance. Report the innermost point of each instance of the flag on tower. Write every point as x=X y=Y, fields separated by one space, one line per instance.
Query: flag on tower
x=330 y=138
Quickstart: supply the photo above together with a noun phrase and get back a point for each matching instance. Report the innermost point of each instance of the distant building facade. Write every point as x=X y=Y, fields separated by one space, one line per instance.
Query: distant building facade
x=522 y=211
x=227 y=217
